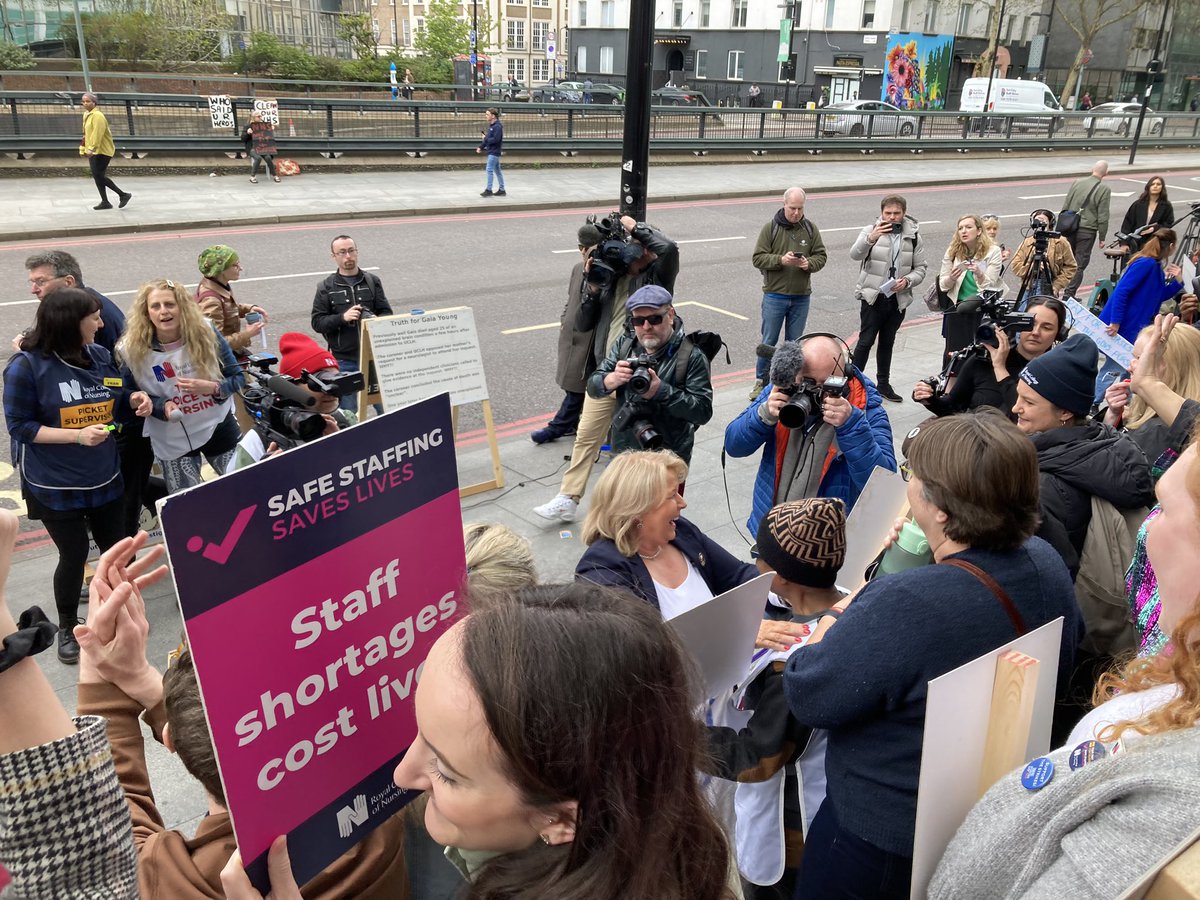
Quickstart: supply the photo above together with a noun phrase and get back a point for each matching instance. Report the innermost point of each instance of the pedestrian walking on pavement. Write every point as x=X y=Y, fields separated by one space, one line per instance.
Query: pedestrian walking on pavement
x=493 y=146
x=97 y=145
x=1091 y=198
x=262 y=146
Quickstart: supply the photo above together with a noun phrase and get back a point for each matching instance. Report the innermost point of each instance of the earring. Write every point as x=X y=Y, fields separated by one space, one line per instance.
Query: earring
x=545 y=840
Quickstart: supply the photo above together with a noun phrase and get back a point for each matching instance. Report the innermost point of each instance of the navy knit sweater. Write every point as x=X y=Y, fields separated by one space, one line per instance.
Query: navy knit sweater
x=867 y=680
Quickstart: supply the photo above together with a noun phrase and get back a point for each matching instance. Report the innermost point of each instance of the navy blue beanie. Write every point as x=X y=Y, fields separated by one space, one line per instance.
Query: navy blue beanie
x=1066 y=375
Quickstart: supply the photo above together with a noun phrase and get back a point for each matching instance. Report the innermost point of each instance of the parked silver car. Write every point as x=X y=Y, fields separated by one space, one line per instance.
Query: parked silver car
x=851 y=117
x=1121 y=118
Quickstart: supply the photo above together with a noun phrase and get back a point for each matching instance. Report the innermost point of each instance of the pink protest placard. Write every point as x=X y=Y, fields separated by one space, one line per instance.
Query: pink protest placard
x=312 y=587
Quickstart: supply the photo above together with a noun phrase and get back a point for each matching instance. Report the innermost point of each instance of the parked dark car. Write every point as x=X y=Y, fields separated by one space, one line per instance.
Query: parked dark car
x=563 y=92
x=601 y=92
x=669 y=95
x=508 y=91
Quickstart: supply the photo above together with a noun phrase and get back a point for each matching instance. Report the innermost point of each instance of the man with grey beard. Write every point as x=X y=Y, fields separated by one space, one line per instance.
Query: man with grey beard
x=661 y=403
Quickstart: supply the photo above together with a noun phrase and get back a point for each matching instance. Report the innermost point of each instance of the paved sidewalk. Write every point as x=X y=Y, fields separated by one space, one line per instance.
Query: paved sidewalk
x=62 y=206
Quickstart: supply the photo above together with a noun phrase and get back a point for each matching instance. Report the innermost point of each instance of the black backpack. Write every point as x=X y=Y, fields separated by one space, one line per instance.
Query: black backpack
x=709 y=343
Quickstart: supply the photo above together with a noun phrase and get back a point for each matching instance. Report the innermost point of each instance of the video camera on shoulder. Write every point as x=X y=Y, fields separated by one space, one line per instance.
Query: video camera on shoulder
x=803 y=408
x=282 y=409
x=611 y=258
x=999 y=313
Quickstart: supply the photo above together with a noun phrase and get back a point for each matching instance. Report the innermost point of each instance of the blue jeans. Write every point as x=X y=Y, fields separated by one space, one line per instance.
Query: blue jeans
x=837 y=865
x=1109 y=374
x=350 y=401
x=493 y=167
x=776 y=308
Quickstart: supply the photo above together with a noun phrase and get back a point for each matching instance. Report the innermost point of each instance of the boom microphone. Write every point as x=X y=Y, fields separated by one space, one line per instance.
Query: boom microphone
x=786 y=364
x=764 y=351
x=277 y=384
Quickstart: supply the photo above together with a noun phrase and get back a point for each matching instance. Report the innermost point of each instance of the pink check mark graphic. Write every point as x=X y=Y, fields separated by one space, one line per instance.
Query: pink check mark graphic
x=220 y=553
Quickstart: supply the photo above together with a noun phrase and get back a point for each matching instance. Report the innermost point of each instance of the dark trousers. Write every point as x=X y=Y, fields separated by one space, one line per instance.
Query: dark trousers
x=879 y=319
x=839 y=866
x=69 y=531
x=137 y=459
x=1082 y=243
x=566 y=420
x=99 y=165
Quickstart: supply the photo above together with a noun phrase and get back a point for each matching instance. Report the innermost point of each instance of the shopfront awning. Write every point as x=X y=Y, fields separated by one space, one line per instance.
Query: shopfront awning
x=846 y=71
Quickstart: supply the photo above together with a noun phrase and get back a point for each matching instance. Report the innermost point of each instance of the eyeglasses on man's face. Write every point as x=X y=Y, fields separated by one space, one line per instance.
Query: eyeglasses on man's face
x=349 y=251
x=656 y=319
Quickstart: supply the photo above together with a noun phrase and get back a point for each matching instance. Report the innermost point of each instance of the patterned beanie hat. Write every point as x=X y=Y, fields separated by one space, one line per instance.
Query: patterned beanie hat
x=216 y=259
x=805 y=540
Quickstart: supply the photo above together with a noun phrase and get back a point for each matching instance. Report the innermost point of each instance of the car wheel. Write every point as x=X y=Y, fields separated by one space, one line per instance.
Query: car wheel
x=1156 y=128
x=1123 y=131
x=856 y=130
x=906 y=129
x=615 y=101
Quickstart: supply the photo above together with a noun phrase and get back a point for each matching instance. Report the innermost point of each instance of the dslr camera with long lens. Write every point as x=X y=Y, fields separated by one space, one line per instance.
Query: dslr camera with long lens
x=998 y=313
x=633 y=414
x=804 y=402
x=611 y=258
x=282 y=410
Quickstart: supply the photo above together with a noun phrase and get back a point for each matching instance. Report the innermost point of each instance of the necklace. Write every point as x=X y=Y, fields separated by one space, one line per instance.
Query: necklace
x=653 y=555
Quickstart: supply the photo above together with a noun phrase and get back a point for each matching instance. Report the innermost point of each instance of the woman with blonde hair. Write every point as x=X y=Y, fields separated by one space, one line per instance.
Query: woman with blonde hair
x=498 y=559
x=972 y=264
x=185 y=376
x=1124 y=790
x=638 y=540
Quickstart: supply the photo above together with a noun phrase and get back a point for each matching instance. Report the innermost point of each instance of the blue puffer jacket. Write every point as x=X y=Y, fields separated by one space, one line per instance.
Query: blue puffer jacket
x=863 y=442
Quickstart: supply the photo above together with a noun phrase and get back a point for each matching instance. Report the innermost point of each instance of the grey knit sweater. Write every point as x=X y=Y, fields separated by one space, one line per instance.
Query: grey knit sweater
x=1088 y=833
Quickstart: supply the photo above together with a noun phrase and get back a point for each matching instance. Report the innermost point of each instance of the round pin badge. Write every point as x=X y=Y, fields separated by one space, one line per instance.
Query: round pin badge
x=1037 y=774
x=1088 y=751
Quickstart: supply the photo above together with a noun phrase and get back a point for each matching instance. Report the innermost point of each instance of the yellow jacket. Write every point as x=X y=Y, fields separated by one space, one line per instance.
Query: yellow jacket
x=97 y=136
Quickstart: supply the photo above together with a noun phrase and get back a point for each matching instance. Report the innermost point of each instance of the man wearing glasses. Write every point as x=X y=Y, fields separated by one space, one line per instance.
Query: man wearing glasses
x=677 y=396
x=50 y=270
x=342 y=301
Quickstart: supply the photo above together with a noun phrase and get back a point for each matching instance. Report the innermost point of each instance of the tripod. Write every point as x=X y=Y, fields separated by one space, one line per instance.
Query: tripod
x=1039 y=279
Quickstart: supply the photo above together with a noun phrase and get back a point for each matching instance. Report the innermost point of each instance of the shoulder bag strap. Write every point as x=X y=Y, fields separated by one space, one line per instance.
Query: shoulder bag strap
x=990 y=583
x=1083 y=205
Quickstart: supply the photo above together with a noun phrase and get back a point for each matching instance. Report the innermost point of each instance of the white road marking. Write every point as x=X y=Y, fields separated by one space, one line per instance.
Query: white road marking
x=1041 y=196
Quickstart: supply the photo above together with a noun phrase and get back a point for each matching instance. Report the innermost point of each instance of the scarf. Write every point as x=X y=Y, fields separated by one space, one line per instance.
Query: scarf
x=824 y=436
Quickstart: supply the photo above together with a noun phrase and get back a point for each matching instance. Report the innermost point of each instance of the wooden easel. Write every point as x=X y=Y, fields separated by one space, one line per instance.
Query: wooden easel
x=372 y=393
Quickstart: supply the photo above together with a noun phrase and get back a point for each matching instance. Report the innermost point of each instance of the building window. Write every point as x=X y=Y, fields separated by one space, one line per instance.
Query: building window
x=420 y=26
x=785 y=74
x=705 y=13
x=1008 y=29
x=964 y=20
x=737 y=18
x=406 y=31
x=541 y=70
x=541 y=2
x=701 y=63
x=868 y=14
x=539 y=32
x=905 y=15
x=606 y=60
x=735 y=69
x=676 y=14
x=829 y=9
x=607 y=14
x=582 y=16
x=516 y=69
x=393 y=24
x=516 y=34
x=581 y=59
x=932 y=14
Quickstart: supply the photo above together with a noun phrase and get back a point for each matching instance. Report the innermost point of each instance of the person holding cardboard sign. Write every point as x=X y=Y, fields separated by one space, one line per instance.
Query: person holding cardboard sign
x=588 y=792
x=1105 y=817
x=973 y=490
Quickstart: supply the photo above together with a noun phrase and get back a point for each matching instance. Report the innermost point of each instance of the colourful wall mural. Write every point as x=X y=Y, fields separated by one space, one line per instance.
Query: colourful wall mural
x=916 y=70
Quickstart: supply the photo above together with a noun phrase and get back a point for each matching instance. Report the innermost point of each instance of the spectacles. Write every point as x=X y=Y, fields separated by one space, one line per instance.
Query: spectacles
x=638 y=321
x=350 y=252
x=990 y=217
x=906 y=472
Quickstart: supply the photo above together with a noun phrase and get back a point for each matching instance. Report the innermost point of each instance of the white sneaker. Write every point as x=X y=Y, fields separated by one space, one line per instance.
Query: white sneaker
x=561 y=507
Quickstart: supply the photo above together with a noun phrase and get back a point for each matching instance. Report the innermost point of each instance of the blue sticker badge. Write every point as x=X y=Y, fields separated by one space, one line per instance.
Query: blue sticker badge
x=1088 y=751
x=1037 y=774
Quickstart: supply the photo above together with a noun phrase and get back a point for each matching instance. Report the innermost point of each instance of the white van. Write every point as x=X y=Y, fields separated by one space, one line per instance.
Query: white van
x=1011 y=95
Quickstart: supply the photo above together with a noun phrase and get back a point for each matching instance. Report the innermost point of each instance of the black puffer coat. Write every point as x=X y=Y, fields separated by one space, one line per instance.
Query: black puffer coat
x=1079 y=461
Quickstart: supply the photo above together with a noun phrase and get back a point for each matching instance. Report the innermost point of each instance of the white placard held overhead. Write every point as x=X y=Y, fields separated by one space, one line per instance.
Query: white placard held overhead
x=268 y=109
x=418 y=356
x=220 y=107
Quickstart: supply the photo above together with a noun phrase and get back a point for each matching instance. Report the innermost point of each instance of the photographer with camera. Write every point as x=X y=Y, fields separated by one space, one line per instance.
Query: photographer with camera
x=820 y=424
x=1044 y=261
x=893 y=263
x=342 y=301
x=306 y=406
x=988 y=377
x=630 y=255
x=655 y=410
